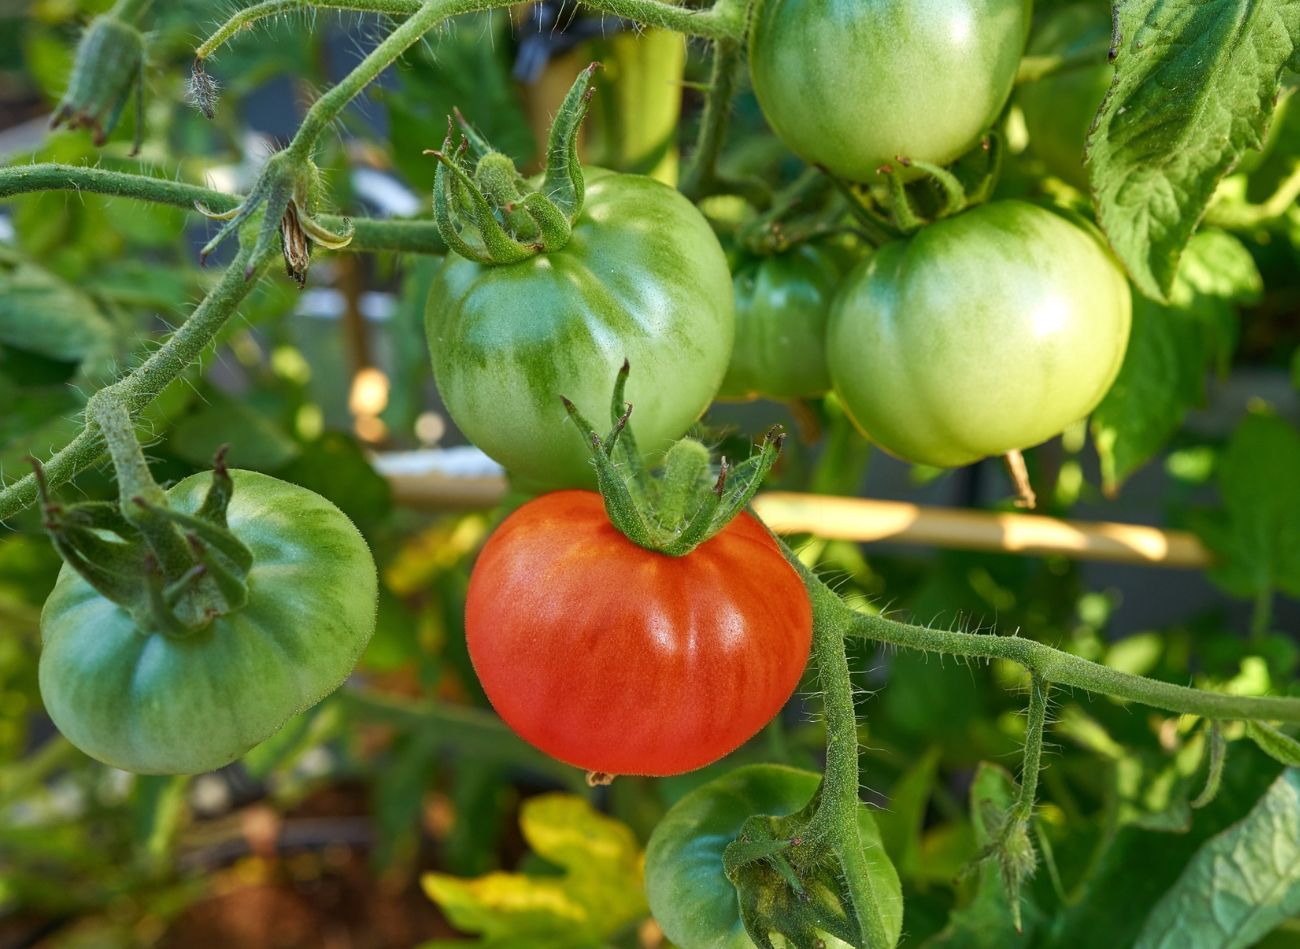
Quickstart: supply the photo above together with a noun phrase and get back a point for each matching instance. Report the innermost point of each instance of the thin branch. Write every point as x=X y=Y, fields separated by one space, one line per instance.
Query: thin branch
x=1052 y=665
x=369 y=234
x=723 y=21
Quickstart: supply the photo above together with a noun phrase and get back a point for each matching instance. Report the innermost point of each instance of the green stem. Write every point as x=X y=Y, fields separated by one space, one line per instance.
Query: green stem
x=1061 y=668
x=725 y=20
x=327 y=108
x=1248 y=216
x=109 y=415
x=1038 y=690
x=1052 y=665
x=1033 y=68
x=699 y=178
x=245 y=18
x=138 y=388
x=21 y=179
x=370 y=234
x=836 y=820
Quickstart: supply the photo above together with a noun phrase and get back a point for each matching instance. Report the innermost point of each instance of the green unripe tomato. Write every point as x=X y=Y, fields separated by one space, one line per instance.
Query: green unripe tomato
x=1059 y=109
x=154 y=703
x=850 y=85
x=782 y=305
x=985 y=332
x=643 y=278
x=691 y=898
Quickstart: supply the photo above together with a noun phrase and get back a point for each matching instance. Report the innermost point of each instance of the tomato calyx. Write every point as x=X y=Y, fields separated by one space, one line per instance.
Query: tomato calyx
x=916 y=193
x=788 y=885
x=690 y=501
x=487 y=212
x=109 y=67
x=173 y=572
x=288 y=195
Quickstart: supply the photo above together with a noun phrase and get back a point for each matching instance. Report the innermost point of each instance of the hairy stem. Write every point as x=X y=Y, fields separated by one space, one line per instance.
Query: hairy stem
x=1052 y=665
x=370 y=234
x=327 y=108
x=1062 y=668
x=139 y=387
x=835 y=825
x=723 y=21
x=245 y=18
x=1038 y=690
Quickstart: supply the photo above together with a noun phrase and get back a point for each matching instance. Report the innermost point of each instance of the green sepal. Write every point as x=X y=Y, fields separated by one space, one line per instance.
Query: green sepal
x=171 y=570
x=689 y=504
x=803 y=904
x=620 y=505
x=491 y=214
x=1012 y=850
x=109 y=65
x=564 y=183
x=952 y=192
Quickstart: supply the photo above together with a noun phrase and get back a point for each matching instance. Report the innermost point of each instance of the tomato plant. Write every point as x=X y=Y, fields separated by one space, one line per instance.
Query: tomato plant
x=626 y=661
x=158 y=701
x=852 y=85
x=966 y=284
x=691 y=897
x=782 y=305
x=986 y=332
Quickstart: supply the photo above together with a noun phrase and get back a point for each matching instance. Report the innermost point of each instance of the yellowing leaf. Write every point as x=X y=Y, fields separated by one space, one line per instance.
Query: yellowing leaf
x=600 y=892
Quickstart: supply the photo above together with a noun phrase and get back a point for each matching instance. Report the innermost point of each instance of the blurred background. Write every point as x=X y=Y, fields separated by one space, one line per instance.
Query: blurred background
x=372 y=820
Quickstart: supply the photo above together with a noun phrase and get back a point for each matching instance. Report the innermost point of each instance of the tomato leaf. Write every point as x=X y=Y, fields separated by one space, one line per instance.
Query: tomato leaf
x=600 y=892
x=44 y=315
x=1170 y=349
x=1194 y=88
x=1240 y=884
x=1256 y=536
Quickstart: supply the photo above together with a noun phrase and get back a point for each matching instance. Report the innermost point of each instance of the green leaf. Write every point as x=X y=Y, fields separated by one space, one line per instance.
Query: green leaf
x=255 y=441
x=1194 y=88
x=900 y=824
x=1170 y=349
x=1277 y=745
x=1241 y=883
x=46 y=316
x=1256 y=536
x=600 y=891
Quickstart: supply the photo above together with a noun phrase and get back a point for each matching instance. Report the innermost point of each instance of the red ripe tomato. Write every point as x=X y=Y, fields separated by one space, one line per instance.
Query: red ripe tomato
x=620 y=660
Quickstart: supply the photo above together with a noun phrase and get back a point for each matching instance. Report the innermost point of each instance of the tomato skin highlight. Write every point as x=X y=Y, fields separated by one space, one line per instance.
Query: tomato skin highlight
x=620 y=660
x=985 y=332
x=850 y=85
x=157 y=704
x=642 y=278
